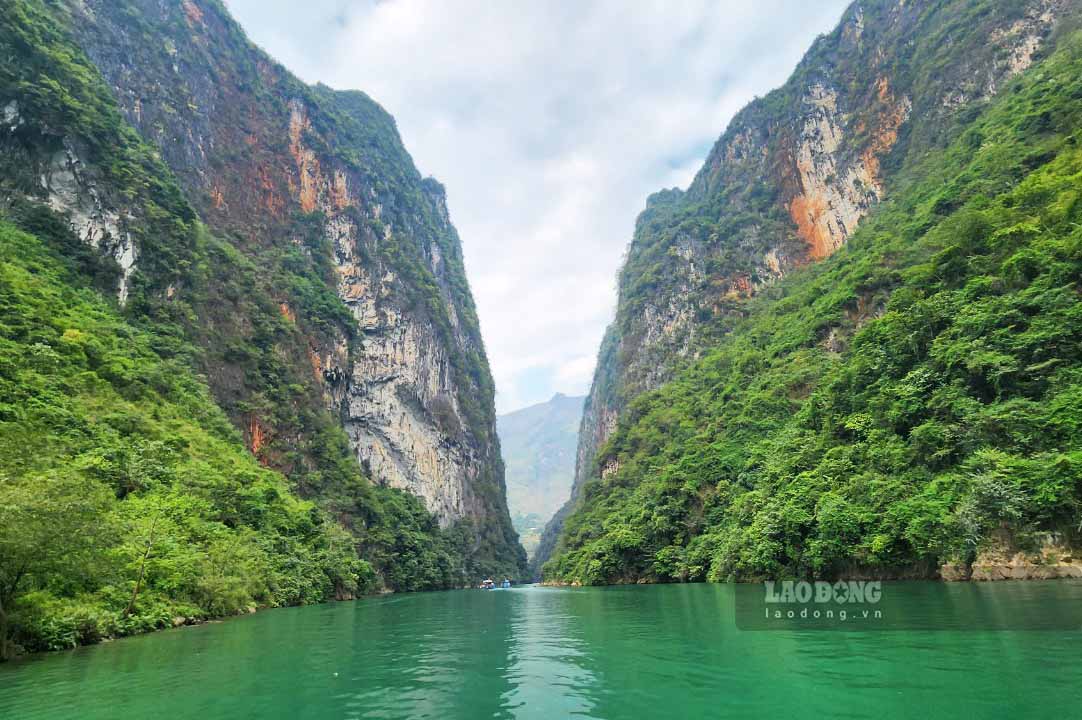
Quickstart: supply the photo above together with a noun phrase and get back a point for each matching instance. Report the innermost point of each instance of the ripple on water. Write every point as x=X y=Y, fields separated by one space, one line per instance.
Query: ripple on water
x=542 y=653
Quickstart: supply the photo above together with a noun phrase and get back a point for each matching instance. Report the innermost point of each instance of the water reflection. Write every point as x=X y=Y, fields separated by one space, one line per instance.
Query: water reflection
x=550 y=660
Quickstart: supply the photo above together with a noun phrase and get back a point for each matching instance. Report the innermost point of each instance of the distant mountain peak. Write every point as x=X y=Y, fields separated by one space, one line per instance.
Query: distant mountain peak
x=538 y=444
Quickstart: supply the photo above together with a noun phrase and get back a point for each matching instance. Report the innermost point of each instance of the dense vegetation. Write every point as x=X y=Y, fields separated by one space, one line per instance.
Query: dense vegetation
x=890 y=81
x=911 y=400
x=128 y=500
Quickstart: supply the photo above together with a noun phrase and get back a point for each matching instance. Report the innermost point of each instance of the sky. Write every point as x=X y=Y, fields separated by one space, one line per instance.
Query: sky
x=549 y=123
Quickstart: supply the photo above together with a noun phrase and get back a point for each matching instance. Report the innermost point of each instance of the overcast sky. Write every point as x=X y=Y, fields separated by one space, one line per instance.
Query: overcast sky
x=549 y=123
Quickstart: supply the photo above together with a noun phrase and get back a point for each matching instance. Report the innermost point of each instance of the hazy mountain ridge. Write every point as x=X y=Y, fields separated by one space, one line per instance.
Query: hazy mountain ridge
x=538 y=444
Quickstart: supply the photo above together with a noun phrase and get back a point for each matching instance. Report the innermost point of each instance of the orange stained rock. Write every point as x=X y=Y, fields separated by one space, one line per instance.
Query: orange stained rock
x=825 y=214
x=270 y=199
x=809 y=212
x=740 y=285
x=255 y=435
x=891 y=118
x=308 y=170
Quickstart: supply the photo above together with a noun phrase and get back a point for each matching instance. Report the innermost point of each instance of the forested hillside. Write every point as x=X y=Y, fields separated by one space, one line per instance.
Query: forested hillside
x=195 y=407
x=905 y=399
x=794 y=175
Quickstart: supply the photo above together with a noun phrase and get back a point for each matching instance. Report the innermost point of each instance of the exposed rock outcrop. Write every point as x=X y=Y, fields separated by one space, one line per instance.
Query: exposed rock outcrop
x=1053 y=559
x=788 y=183
x=284 y=168
x=71 y=193
x=833 y=199
x=395 y=392
x=65 y=183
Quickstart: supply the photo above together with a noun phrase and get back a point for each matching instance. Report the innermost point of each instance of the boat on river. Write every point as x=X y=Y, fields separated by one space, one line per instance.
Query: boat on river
x=488 y=584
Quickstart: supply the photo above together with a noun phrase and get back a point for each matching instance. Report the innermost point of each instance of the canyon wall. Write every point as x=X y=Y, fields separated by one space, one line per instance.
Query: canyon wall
x=790 y=180
x=363 y=317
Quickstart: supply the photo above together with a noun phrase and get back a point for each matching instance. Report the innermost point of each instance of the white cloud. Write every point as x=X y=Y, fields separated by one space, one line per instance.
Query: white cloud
x=549 y=123
x=576 y=372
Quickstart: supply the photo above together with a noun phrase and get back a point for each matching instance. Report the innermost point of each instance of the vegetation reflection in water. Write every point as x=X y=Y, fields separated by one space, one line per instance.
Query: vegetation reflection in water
x=593 y=652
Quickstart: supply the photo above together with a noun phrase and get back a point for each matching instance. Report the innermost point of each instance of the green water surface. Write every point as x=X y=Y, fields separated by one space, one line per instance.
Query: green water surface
x=623 y=652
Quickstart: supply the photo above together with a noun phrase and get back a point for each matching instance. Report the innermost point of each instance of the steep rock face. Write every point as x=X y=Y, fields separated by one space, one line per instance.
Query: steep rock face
x=71 y=192
x=791 y=179
x=395 y=388
x=397 y=393
x=312 y=185
x=832 y=200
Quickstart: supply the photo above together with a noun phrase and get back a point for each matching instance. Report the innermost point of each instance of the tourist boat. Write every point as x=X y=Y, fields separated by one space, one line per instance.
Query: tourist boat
x=488 y=584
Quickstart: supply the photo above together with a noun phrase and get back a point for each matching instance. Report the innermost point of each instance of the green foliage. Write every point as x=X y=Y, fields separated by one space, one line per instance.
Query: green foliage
x=120 y=471
x=118 y=399
x=950 y=413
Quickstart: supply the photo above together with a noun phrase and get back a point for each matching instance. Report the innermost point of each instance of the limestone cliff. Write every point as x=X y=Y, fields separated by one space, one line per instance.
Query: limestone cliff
x=792 y=177
x=363 y=315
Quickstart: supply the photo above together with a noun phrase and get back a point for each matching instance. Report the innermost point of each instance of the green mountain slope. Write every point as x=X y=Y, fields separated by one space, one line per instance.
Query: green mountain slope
x=355 y=313
x=910 y=401
x=126 y=497
x=538 y=446
x=795 y=174
x=175 y=389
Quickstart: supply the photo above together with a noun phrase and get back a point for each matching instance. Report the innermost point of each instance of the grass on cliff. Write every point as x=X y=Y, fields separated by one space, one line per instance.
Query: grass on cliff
x=908 y=401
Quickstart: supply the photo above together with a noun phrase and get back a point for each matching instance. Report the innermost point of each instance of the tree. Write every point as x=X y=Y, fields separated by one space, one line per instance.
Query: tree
x=51 y=525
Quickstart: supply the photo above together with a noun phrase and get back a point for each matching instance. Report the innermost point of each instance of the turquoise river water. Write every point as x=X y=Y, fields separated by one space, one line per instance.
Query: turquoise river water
x=670 y=651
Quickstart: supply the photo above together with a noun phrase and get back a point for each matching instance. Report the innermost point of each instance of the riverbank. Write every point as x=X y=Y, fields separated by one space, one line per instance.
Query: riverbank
x=86 y=638
x=179 y=622
x=1016 y=567
x=1051 y=559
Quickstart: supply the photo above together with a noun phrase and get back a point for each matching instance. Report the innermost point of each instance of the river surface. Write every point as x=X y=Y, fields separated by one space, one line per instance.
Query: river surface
x=624 y=652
